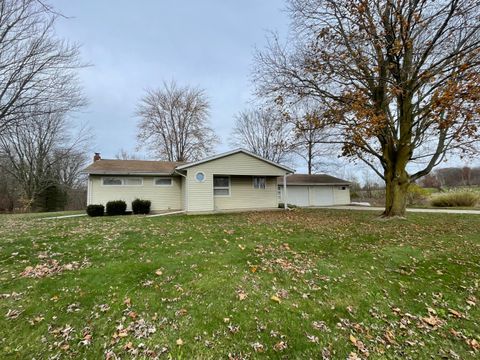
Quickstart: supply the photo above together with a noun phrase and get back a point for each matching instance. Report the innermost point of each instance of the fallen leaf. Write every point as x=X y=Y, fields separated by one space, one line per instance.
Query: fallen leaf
x=275 y=298
x=455 y=313
x=432 y=320
x=474 y=344
x=179 y=342
x=280 y=346
x=241 y=295
x=312 y=338
x=132 y=315
x=257 y=347
x=353 y=356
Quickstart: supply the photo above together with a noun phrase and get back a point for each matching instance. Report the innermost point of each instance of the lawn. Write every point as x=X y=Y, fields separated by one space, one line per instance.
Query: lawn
x=300 y=284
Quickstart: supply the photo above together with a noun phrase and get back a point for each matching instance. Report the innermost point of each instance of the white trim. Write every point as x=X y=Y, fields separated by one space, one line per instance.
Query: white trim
x=253 y=182
x=218 y=156
x=162 y=178
x=89 y=191
x=120 y=173
x=318 y=184
x=223 y=187
x=122 y=178
x=204 y=176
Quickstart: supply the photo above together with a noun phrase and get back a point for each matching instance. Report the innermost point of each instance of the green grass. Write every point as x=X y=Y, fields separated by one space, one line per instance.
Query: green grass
x=346 y=282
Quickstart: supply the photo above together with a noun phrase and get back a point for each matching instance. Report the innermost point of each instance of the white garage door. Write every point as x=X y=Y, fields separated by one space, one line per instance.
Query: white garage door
x=321 y=195
x=298 y=195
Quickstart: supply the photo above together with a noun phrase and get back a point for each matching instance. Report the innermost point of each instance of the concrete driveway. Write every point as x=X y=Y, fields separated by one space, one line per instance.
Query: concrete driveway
x=380 y=209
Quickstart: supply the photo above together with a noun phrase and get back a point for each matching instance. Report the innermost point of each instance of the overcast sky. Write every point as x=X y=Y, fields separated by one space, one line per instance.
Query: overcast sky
x=134 y=45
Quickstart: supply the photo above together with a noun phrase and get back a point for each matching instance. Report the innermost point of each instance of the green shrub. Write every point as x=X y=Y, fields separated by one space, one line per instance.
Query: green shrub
x=95 y=210
x=141 y=206
x=282 y=206
x=116 y=207
x=416 y=194
x=467 y=199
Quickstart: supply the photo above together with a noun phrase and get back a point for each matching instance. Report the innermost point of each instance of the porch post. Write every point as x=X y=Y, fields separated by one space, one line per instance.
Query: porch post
x=285 y=201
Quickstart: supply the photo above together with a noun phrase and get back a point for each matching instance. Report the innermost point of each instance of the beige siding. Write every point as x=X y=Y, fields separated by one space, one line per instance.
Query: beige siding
x=200 y=194
x=342 y=197
x=239 y=164
x=162 y=197
x=244 y=196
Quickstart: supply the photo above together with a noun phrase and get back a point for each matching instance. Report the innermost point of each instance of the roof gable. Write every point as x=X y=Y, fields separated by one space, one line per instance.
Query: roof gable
x=233 y=152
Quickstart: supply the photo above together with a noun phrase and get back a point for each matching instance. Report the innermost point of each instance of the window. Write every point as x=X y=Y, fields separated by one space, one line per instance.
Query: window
x=133 y=181
x=259 y=182
x=221 y=185
x=120 y=181
x=343 y=188
x=163 y=181
x=112 y=181
x=200 y=176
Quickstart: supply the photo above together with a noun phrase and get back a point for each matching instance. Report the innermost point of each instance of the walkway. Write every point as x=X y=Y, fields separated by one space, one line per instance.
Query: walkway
x=380 y=209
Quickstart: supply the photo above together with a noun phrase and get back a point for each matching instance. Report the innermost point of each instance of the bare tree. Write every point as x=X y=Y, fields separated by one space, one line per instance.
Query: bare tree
x=68 y=163
x=312 y=138
x=401 y=80
x=41 y=154
x=123 y=154
x=36 y=68
x=174 y=123
x=264 y=132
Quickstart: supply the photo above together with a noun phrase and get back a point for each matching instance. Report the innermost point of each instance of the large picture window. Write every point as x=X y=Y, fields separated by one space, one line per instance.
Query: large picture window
x=122 y=181
x=221 y=185
x=259 y=182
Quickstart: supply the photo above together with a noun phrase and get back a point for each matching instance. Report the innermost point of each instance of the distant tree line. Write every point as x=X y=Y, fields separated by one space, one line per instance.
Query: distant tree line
x=452 y=177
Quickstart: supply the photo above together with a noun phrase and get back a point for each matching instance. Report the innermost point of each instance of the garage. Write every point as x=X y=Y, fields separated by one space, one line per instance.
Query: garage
x=305 y=190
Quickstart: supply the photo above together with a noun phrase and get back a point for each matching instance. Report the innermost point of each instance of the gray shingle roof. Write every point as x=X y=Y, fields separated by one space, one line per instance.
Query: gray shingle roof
x=314 y=179
x=125 y=167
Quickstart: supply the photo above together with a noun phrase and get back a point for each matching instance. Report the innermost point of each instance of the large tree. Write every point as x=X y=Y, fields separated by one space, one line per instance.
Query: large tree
x=264 y=132
x=42 y=154
x=37 y=69
x=400 y=78
x=174 y=123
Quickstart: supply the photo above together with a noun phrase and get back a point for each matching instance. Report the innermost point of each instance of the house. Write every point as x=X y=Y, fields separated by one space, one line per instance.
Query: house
x=315 y=190
x=233 y=180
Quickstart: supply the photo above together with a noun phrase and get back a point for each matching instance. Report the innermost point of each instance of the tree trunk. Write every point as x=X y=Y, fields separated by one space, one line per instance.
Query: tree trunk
x=310 y=155
x=396 y=192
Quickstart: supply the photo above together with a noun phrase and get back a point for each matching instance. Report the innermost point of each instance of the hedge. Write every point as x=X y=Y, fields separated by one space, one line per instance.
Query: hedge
x=116 y=207
x=95 y=210
x=141 y=206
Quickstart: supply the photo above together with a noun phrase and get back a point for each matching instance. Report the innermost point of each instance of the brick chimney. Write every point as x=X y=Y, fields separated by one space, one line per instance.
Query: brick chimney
x=96 y=157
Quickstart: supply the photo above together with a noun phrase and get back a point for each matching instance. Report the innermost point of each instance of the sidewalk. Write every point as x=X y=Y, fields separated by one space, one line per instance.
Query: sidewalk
x=380 y=209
